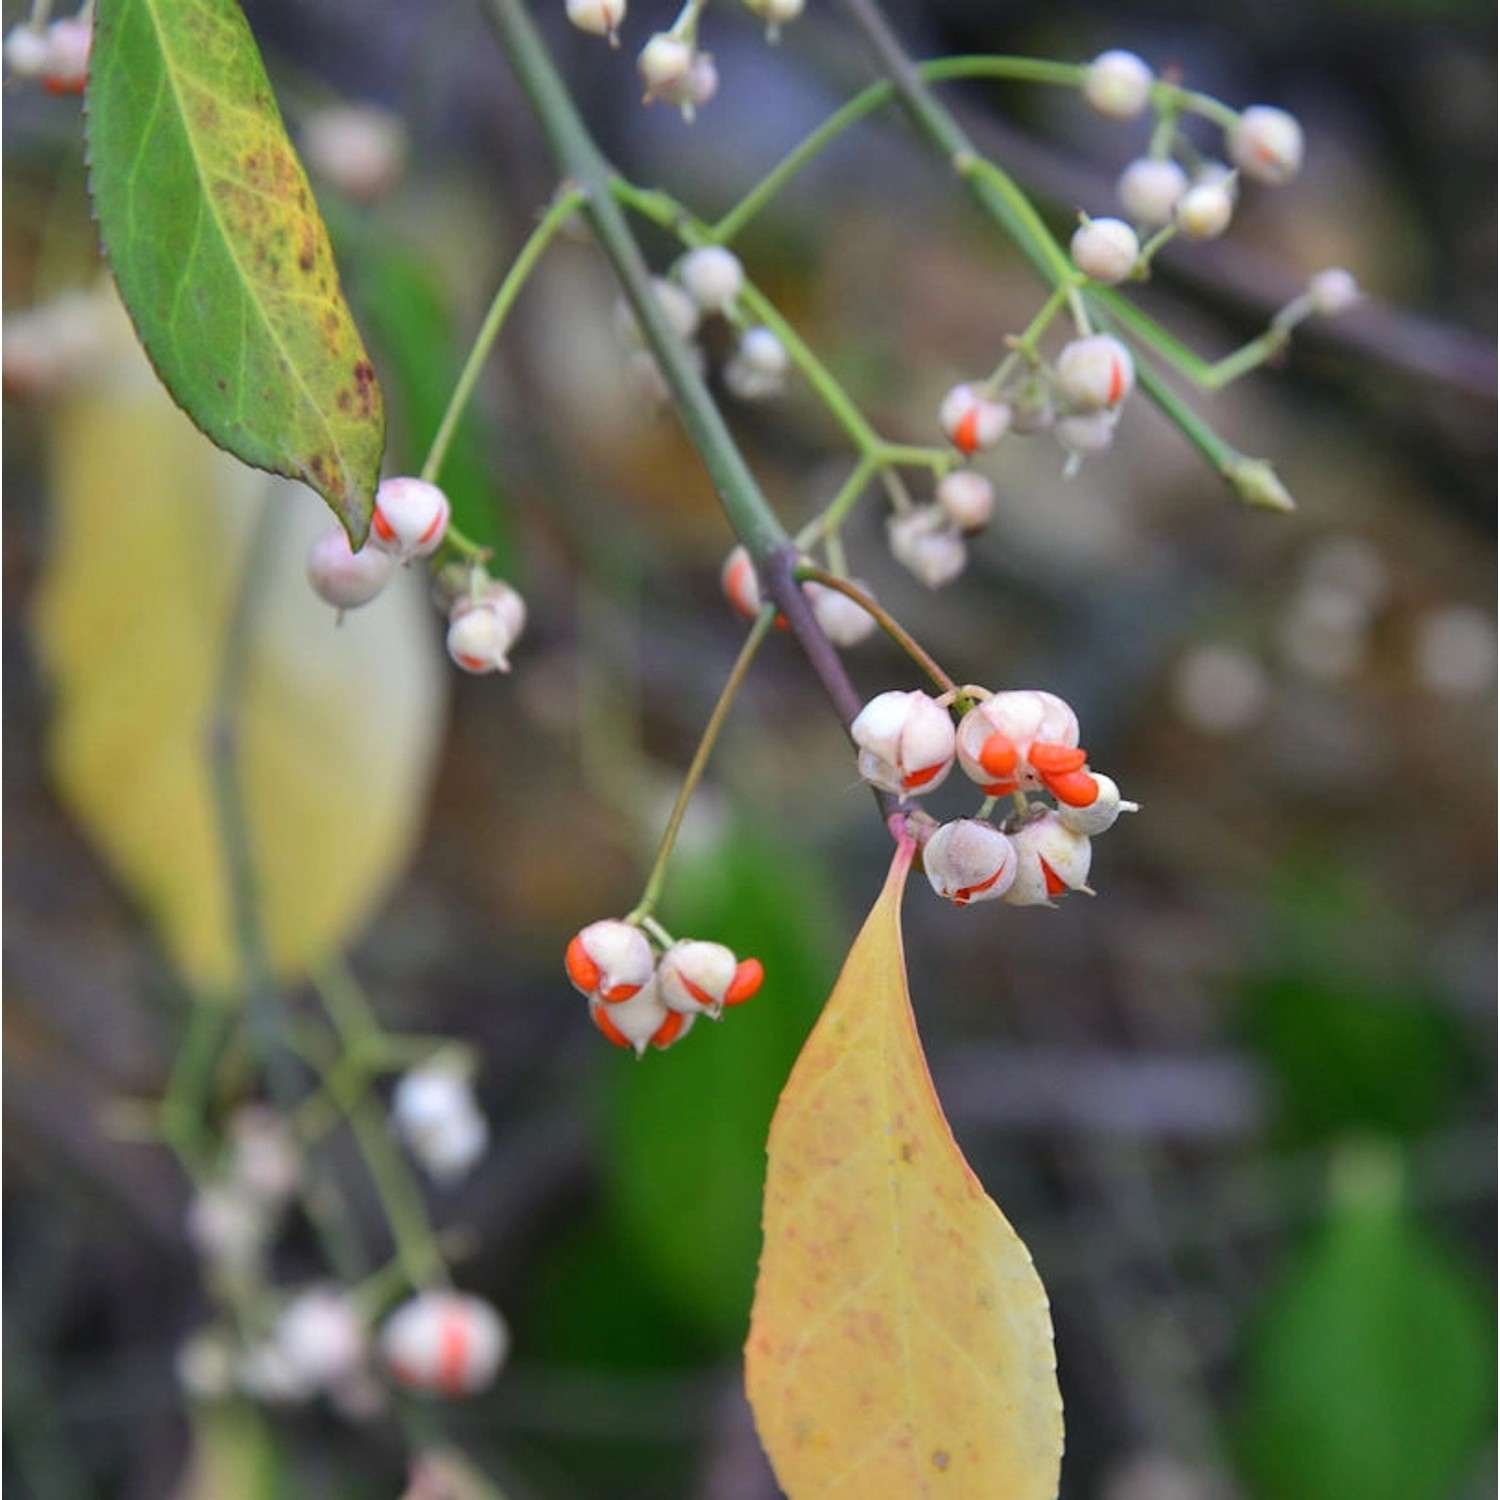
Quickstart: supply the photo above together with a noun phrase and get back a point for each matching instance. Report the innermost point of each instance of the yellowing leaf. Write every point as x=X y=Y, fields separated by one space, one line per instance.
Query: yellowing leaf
x=339 y=728
x=900 y=1344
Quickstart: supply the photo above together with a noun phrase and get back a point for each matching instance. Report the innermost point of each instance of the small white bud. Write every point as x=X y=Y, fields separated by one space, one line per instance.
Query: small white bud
x=598 y=17
x=482 y=630
x=844 y=621
x=775 y=13
x=264 y=1161
x=927 y=543
x=264 y=1373
x=1100 y=815
x=610 y=960
x=228 y=1229
x=712 y=276
x=758 y=367
x=967 y=499
x=344 y=578
x=410 y=518
x=664 y=64
x=1218 y=174
x=27 y=51
x=1094 y=373
x=1083 y=434
x=1118 y=84
x=1266 y=144
x=1204 y=211
x=969 y=860
x=1332 y=291
x=1105 y=249
x=444 y=1344
x=699 y=978
x=972 y=420
x=1149 y=188
x=1051 y=859
x=359 y=148
x=434 y=1113
x=905 y=742
x=321 y=1337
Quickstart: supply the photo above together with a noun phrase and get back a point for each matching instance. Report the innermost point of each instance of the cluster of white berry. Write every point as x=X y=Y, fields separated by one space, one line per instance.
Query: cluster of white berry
x=673 y=67
x=637 y=999
x=706 y=283
x=58 y=53
x=1022 y=745
x=409 y=521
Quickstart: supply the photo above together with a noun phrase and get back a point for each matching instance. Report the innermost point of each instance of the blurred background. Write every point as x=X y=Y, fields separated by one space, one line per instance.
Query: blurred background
x=1241 y=1106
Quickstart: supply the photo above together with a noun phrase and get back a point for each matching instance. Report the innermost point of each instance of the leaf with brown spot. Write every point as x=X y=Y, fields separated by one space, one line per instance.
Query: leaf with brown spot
x=221 y=258
x=900 y=1344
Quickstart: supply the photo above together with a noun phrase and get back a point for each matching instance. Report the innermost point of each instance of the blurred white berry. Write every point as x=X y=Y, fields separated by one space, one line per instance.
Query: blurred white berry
x=322 y=1337
x=971 y=420
x=50 y=347
x=1105 y=249
x=444 y=1344
x=229 y=1229
x=1149 y=188
x=967 y=499
x=410 y=518
x=27 y=51
x=1051 y=859
x=1094 y=373
x=1219 y=688
x=664 y=64
x=927 y=544
x=1455 y=651
x=642 y=1021
x=1118 y=84
x=205 y=1365
x=434 y=1113
x=844 y=621
x=712 y=276
x=1083 y=434
x=1099 y=815
x=969 y=860
x=609 y=960
x=342 y=577
x=264 y=1161
x=69 y=42
x=264 y=1373
x=1332 y=291
x=700 y=978
x=905 y=742
x=1266 y=144
x=758 y=367
x=1204 y=211
x=483 y=628
x=598 y=17
x=775 y=13
x=359 y=148
x=1218 y=174
x=680 y=311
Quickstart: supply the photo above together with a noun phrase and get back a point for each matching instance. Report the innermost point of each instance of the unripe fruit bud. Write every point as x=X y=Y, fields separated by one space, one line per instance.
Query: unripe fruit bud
x=1099 y=815
x=1106 y=249
x=664 y=64
x=598 y=17
x=321 y=1337
x=712 y=276
x=410 y=518
x=1204 y=211
x=343 y=578
x=444 y=1344
x=1085 y=433
x=1095 y=373
x=969 y=860
x=972 y=420
x=775 y=13
x=995 y=738
x=359 y=148
x=1149 y=188
x=434 y=1113
x=610 y=960
x=228 y=1228
x=905 y=742
x=27 y=51
x=844 y=621
x=641 y=1021
x=758 y=367
x=699 y=978
x=481 y=631
x=1266 y=144
x=69 y=42
x=1050 y=860
x=1118 y=84
x=967 y=499
x=927 y=543
x=1332 y=291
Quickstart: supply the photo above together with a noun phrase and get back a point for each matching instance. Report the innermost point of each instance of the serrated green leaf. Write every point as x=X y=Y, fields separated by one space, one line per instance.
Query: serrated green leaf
x=221 y=258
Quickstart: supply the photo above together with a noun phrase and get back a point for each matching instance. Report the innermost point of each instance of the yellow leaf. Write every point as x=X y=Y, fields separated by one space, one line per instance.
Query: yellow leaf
x=900 y=1344
x=339 y=730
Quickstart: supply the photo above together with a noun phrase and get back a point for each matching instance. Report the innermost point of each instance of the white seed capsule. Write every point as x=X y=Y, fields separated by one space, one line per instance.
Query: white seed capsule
x=1204 y=211
x=342 y=577
x=1085 y=433
x=444 y=1344
x=1051 y=859
x=598 y=17
x=641 y=1021
x=610 y=960
x=1105 y=249
x=699 y=978
x=995 y=737
x=972 y=420
x=927 y=543
x=664 y=64
x=1118 y=84
x=1149 y=188
x=969 y=860
x=434 y=1113
x=359 y=148
x=409 y=519
x=1266 y=144
x=905 y=742
x=1094 y=373
x=1332 y=291
x=712 y=276
x=758 y=367
x=967 y=499
x=844 y=621
x=321 y=1337
x=1101 y=814
x=482 y=630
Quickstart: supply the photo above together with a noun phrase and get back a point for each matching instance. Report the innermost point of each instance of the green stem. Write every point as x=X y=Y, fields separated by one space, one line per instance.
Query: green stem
x=184 y=1105
x=1211 y=376
x=827 y=523
x=652 y=893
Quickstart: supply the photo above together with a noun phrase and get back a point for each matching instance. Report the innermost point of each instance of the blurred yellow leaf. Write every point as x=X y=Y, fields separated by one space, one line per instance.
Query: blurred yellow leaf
x=231 y=1455
x=340 y=724
x=900 y=1344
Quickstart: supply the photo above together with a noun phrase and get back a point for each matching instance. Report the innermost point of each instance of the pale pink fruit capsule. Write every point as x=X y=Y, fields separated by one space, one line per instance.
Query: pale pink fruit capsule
x=1266 y=144
x=69 y=42
x=973 y=420
x=700 y=978
x=1149 y=188
x=344 y=578
x=1204 y=211
x=1099 y=814
x=996 y=739
x=969 y=860
x=598 y=17
x=843 y=620
x=444 y=1344
x=1094 y=373
x=927 y=543
x=641 y=1021
x=359 y=148
x=409 y=519
x=610 y=960
x=321 y=1337
x=434 y=1112
x=482 y=630
x=664 y=65
x=967 y=499
x=1332 y=291
x=905 y=742
x=1051 y=859
x=1105 y=249
x=1118 y=84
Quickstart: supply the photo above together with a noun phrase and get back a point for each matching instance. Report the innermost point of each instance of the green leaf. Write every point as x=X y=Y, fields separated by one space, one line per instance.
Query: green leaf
x=220 y=255
x=686 y=1131
x=1369 y=1376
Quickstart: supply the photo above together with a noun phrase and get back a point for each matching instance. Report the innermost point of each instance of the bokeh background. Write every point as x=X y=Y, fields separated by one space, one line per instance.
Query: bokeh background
x=1241 y=1106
